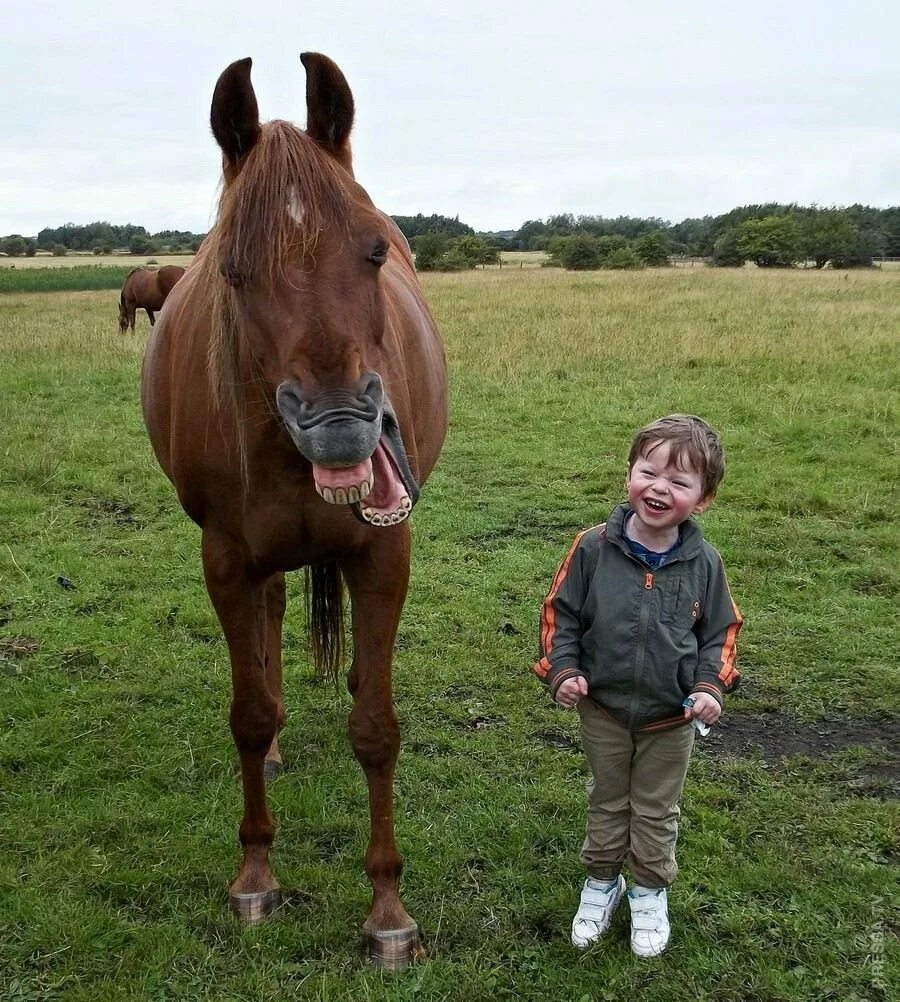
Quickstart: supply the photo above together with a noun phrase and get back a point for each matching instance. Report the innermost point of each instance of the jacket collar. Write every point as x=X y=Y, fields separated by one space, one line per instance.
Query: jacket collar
x=691 y=534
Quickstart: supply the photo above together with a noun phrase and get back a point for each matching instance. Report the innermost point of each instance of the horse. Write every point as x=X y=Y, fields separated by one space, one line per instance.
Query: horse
x=146 y=290
x=295 y=393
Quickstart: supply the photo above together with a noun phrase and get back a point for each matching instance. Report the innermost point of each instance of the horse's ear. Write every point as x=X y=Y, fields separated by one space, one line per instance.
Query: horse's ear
x=329 y=106
x=234 y=115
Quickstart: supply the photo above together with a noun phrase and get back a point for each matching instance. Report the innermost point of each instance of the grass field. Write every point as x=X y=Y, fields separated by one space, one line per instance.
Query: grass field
x=118 y=798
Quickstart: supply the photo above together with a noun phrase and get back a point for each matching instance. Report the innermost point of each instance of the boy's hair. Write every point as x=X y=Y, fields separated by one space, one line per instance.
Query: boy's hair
x=690 y=439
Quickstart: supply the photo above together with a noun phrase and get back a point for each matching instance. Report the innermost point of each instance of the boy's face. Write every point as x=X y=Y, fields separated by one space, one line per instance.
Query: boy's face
x=662 y=493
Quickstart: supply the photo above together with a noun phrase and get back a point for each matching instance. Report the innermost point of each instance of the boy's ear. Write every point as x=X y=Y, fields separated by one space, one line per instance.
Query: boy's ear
x=704 y=503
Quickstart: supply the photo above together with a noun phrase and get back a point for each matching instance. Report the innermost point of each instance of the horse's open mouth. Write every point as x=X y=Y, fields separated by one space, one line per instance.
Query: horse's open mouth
x=381 y=490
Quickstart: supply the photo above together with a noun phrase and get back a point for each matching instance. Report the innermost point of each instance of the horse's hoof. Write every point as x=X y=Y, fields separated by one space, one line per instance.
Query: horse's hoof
x=255 y=907
x=272 y=770
x=393 y=949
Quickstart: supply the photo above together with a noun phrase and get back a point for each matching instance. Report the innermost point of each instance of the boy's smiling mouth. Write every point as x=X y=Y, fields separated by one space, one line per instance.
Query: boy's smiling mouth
x=655 y=505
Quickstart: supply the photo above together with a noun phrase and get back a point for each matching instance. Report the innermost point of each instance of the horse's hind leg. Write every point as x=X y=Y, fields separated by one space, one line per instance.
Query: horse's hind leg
x=377 y=582
x=239 y=598
x=275 y=606
x=150 y=315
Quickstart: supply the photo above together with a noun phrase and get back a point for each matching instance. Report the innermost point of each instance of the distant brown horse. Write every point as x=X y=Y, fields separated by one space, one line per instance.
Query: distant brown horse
x=146 y=290
x=295 y=393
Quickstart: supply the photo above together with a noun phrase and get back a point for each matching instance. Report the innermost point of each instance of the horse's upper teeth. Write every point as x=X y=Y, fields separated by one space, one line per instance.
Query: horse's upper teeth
x=345 y=495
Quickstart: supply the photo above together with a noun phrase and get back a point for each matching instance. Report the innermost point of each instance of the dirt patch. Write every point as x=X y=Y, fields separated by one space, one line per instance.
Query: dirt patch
x=777 y=736
x=18 y=647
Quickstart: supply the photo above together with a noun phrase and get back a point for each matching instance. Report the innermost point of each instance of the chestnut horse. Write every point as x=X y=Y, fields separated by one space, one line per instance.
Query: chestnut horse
x=295 y=393
x=146 y=290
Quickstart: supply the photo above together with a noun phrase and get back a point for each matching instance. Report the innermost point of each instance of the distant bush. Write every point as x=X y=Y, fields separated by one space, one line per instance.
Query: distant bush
x=97 y=251
x=580 y=253
x=725 y=251
x=624 y=259
x=13 y=245
x=60 y=250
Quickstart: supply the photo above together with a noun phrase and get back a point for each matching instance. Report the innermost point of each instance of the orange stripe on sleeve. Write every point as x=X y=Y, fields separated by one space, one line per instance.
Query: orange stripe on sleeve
x=548 y=613
x=728 y=673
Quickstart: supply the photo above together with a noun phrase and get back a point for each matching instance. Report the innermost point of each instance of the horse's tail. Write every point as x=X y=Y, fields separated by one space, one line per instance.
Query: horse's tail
x=325 y=618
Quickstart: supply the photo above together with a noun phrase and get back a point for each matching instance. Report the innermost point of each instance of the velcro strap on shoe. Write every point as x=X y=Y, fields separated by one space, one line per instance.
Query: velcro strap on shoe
x=595 y=905
x=648 y=921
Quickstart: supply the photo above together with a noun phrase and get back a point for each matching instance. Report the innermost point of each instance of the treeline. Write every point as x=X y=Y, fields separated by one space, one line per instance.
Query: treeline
x=101 y=238
x=771 y=235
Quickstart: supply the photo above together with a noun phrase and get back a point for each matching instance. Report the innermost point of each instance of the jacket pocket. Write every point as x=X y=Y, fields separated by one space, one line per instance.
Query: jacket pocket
x=680 y=606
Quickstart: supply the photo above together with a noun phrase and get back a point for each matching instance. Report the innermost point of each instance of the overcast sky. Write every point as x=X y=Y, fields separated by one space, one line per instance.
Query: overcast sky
x=498 y=111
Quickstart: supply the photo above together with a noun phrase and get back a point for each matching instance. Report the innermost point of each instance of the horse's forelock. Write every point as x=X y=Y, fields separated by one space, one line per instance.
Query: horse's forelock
x=260 y=225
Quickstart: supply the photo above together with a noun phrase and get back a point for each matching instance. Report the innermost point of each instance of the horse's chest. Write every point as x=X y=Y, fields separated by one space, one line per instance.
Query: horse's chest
x=285 y=536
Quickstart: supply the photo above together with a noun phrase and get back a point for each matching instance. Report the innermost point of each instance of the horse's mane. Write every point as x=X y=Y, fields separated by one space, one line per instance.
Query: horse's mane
x=256 y=235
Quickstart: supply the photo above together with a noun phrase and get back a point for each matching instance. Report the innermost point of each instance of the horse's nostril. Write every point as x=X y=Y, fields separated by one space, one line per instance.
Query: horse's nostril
x=372 y=388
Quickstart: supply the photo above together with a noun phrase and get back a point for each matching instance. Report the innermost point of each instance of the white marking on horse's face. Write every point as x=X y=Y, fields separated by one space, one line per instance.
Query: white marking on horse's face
x=296 y=209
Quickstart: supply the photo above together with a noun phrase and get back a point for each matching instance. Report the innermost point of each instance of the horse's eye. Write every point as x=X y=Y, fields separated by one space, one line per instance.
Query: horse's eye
x=379 y=253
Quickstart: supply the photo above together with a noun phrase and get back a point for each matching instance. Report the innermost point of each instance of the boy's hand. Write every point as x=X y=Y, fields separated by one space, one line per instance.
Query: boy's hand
x=571 y=691
x=705 y=707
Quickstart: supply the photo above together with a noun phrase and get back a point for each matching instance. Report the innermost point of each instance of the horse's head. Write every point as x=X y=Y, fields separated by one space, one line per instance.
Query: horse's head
x=296 y=261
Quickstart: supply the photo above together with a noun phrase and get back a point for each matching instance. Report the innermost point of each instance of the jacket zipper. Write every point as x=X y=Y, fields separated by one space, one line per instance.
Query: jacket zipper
x=641 y=652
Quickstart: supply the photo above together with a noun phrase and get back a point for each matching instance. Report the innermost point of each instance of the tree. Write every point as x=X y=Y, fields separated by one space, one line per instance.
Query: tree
x=772 y=242
x=653 y=248
x=725 y=253
x=624 y=259
x=428 y=248
x=830 y=236
x=475 y=250
x=580 y=253
x=141 y=244
x=14 y=245
x=418 y=225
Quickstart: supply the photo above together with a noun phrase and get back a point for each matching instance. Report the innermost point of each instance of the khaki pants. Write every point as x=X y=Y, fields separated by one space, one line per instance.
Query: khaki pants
x=633 y=797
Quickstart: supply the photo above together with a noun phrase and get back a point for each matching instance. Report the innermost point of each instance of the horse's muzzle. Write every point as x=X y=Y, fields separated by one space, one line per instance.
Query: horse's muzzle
x=340 y=428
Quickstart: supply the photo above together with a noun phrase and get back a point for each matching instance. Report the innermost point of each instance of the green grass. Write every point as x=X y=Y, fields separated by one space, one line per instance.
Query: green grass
x=71 y=278
x=118 y=799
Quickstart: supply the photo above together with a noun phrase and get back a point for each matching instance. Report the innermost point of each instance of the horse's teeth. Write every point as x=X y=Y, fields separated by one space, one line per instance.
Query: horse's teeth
x=365 y=488
x=340 y=495
x=318 y=488
x=352 y=495
x=406 y=504
x=328 y=494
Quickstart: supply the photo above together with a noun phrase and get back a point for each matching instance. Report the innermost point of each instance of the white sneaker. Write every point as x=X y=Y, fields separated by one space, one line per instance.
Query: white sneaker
x=598 y=902
x=649 y=920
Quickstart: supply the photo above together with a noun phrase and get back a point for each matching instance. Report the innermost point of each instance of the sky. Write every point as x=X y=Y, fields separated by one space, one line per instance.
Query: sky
x=498 y=112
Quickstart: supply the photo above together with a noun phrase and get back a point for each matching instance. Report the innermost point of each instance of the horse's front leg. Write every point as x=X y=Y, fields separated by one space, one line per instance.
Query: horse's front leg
x=152 y=318
x=377 y=580
x=239 y=598
x=275 y=606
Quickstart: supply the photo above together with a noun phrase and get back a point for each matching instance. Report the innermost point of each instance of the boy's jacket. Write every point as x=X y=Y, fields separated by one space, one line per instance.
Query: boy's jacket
x=644 y=639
